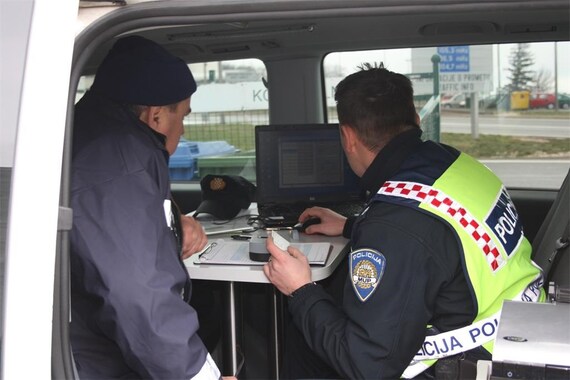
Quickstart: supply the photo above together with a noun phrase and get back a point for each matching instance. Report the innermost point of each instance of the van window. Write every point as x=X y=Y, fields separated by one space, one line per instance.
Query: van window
x=507 y=105
x=219 y=133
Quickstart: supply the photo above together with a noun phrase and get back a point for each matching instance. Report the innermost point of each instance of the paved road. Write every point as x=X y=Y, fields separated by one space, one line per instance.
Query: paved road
x=530 y=174
x=506 y=125
x=518 y=173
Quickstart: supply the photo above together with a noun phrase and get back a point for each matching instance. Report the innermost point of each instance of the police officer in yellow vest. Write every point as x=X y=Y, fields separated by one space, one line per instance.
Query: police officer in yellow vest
x=436 y=251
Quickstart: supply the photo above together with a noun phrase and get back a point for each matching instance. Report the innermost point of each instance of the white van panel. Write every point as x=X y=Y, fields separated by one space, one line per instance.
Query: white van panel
x=15 y=21
x=31 y=235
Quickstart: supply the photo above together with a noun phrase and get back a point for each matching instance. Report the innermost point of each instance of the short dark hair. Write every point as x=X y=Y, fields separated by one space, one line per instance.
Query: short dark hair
x=377 y=103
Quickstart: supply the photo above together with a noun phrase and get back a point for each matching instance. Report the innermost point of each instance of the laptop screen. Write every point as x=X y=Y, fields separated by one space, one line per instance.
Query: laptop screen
x=302 y=163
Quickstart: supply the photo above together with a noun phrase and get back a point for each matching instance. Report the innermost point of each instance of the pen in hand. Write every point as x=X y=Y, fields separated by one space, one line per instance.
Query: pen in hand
x=207 y=249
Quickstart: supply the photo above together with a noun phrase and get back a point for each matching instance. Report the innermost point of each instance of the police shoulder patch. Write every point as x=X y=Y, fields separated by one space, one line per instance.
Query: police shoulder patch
x=366 y=269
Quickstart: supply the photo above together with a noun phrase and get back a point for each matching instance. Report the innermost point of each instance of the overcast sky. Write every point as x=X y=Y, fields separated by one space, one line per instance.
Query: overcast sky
x=400 y=60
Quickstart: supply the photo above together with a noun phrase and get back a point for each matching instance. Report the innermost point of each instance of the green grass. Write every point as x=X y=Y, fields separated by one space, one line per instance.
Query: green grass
x=486 y=146
x=239 y=135
x=495 y=146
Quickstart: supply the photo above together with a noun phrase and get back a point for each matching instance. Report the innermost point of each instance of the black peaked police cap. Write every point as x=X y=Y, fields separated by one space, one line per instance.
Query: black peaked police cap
x=224 y=196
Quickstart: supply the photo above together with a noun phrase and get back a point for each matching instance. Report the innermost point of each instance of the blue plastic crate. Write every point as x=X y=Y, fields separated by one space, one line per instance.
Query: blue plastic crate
x=182 y=162
x=213 y=148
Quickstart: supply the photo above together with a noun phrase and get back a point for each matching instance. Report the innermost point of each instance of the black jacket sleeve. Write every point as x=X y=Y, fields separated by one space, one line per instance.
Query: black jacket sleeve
x=378 y=338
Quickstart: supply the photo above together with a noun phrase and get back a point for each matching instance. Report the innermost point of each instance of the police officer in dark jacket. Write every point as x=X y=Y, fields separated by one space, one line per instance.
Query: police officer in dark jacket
x=428 y=268
x=130 y=289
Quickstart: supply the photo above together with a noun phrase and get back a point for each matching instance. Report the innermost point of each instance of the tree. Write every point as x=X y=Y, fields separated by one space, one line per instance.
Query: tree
x=521 y=76
x=543 y=81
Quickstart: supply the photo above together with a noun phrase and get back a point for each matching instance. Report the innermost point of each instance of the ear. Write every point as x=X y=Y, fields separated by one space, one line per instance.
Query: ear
x=151 y=116
x=349 y=137
x=418 y=121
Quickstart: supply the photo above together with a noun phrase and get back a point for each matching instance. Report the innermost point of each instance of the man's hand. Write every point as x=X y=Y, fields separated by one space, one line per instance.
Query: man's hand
x=194 y=238
x=287 y=270
x=331 y=223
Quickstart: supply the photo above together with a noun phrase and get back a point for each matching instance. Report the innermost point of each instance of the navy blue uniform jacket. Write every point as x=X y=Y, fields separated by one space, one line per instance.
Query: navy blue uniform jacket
x=423 y=281
x=129 y=319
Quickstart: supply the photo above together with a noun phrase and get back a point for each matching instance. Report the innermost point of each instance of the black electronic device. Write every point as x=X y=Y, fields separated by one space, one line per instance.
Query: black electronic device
x=275 y=221
x=302 y=226
x=258 y=249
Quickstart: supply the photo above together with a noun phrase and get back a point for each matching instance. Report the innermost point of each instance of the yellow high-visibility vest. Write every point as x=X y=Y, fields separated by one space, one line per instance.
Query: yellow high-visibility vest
x=496 y=254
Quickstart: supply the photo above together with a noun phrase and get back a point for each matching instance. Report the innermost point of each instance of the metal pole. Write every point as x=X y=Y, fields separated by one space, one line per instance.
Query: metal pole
x=220 y=74
x=276 y=334
x=435 y=59
x=474 y=115
x=556 y=105
x=498 y=68
x=233 y=329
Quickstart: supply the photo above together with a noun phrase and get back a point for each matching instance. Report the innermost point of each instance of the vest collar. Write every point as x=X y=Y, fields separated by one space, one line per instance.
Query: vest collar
x=389 y=160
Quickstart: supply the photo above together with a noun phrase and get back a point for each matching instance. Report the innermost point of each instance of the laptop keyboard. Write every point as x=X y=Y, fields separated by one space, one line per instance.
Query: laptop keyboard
x=291 y=211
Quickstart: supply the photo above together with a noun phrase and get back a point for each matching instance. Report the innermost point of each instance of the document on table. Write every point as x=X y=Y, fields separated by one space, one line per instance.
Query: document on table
x=230 y=252
x=213 y=226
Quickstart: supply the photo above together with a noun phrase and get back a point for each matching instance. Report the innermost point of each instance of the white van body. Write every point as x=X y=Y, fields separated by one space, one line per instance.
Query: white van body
x=35 y=71
x=48 y=46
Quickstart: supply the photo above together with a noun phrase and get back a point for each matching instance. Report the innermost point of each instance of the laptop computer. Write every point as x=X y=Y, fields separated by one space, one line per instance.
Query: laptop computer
x=299 y=166
x=533 y=341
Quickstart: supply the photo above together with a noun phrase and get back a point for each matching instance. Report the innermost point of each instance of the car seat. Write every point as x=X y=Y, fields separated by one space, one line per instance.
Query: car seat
x=551 y=246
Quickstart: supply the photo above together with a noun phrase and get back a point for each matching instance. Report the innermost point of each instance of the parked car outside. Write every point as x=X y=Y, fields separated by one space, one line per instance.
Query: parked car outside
x=564 y=101
x=455 y=101
x=546 y=100
x=542 y=101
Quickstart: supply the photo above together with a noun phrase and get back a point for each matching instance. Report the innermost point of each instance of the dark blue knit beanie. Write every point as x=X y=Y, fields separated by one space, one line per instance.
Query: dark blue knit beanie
x=139 y=71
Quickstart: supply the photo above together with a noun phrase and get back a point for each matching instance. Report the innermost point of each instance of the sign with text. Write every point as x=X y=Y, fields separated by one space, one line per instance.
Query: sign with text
x=221 y=97
x=464 y=82
x=454 y=59
x=462 y=69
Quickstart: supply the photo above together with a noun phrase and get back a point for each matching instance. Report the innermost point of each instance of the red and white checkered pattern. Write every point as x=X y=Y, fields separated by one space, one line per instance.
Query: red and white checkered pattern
x=440 y=201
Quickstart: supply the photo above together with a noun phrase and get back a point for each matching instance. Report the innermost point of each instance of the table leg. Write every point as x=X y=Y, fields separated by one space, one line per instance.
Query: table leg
x=277 y=328
x=233 y=333
x=275 y=332
x=230 y=335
